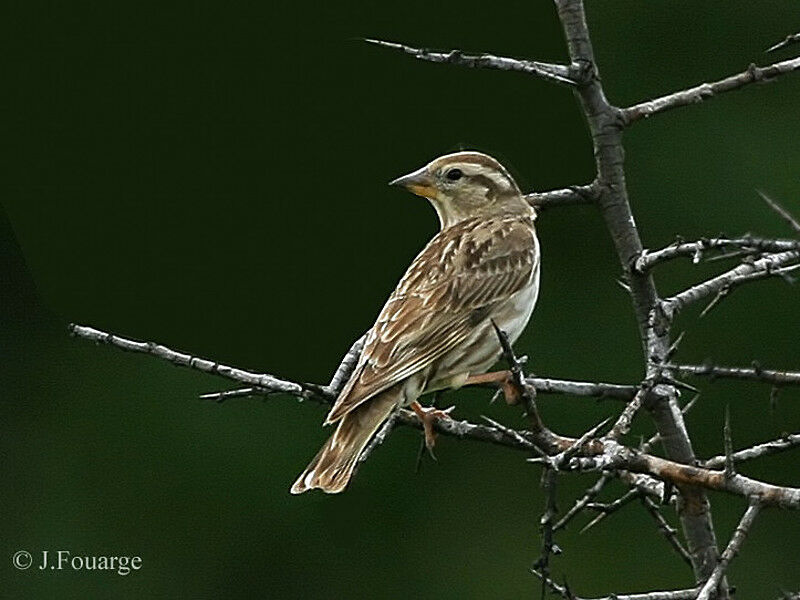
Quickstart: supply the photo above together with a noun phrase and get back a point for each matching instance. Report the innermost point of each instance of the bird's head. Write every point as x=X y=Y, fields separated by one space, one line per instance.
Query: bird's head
x=465 y=185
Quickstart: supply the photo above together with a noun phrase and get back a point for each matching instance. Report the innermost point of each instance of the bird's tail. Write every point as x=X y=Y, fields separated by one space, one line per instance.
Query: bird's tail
x=334 y=464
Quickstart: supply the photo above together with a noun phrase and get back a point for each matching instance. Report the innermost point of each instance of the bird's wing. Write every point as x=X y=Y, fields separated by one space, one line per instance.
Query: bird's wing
x=453 y=283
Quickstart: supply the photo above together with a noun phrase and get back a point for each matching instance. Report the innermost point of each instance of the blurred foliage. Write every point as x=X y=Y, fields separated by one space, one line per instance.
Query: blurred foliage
x=212 y=176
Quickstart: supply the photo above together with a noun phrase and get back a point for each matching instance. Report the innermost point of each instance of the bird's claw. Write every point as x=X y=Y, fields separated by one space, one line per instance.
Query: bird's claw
x=429 y=416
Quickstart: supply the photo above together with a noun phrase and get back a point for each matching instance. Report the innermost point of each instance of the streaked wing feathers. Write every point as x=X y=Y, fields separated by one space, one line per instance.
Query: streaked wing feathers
x=463 y=271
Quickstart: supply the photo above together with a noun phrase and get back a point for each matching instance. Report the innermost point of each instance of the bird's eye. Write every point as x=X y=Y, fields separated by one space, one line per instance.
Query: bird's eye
x=454 y=174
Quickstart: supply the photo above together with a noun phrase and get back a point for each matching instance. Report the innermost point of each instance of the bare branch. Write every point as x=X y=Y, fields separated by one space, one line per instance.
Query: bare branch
x=730 y=552
x=592 y=455
x=767 y=266
x=694 y=95
x=623 y=423
x=261 y=384
x=606 y=123
x=614 y=391
x=647 y=259
x=730 y=467
x=260 y=380
x=547 y=71
x=549 y=481
x=616 y=457
x=646 y=485
x=787 y=442
x=573 y=195
x=755 y=373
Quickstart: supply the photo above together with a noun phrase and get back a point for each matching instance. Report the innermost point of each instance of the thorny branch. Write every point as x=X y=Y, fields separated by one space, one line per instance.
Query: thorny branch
x=755 y=373
x=697 y=94
x=568 y=454
x=576 y=194
x=606 y=123
x=649 y=477
x=547 y=71
x=752 y=245
x=767 y=266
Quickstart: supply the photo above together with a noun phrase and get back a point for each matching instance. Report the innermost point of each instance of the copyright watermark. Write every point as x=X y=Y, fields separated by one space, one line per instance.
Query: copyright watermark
x=65 y=560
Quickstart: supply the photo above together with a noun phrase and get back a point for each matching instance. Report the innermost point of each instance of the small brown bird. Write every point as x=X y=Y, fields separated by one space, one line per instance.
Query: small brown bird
x=435 y=331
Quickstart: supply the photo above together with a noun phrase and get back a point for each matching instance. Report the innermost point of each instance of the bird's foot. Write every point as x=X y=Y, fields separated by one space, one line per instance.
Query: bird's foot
x=503 y=379
x=429 y=416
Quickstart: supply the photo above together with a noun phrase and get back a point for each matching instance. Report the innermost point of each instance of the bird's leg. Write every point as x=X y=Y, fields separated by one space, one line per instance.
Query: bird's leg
x=429 y=416
x=503 y=379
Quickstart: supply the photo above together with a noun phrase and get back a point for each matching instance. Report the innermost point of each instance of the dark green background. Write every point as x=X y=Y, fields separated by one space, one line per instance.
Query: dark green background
x=212 y=176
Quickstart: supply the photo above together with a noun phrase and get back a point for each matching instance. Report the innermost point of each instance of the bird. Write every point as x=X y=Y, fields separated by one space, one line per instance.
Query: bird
x=437 y=329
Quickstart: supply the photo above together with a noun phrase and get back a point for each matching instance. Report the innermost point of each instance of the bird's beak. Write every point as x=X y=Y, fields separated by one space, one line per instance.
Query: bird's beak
x=419 y=182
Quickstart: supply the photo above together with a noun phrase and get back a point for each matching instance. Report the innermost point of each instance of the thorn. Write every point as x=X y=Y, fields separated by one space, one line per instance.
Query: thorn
x=690 y=404
x=623 y=285
x=782 y=212
x=592 y=523
x=420 y=455
x=674 y=346
x=716 y=300
x=773 y=397
x=784 y=43
x=496 y=395
x=680 y=384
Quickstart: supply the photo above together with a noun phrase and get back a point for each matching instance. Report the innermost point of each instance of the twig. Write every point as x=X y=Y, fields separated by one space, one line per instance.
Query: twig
x=549 y=480
x=787 y=442
x=649 y=258
x=513 y=433
x=745 y=272
x=262 y=381
x=623 y=424
x=647 y=486
x=607 y=509
x=704 y=91
x=542 y=385
x=571 y=196
x=561 y=590
x=616 y=457
x=730 y=552
x=527 y=392
x=730 y=467
x=785 y=42
x=547 y=71
x=590 y=494
x=665 y=528
x=582 y=388
x=755 y=373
